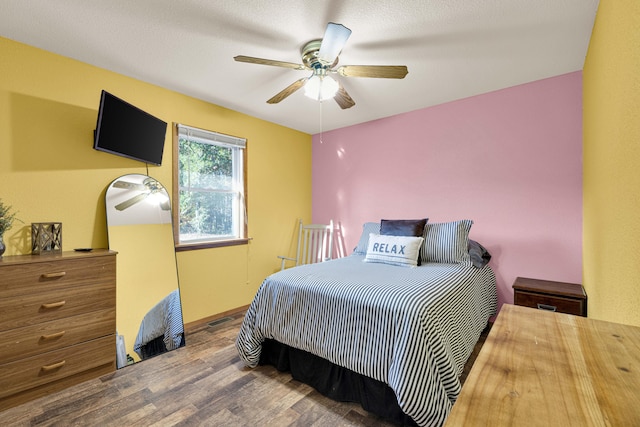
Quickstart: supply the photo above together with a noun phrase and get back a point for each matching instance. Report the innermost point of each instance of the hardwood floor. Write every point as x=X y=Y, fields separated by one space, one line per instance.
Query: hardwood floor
x=202 y=384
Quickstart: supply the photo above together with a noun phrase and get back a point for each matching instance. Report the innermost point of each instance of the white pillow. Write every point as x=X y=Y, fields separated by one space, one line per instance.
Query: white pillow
x=395 y=250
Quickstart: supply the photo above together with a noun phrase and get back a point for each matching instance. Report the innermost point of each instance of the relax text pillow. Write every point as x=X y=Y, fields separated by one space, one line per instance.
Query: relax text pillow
x=395 y=250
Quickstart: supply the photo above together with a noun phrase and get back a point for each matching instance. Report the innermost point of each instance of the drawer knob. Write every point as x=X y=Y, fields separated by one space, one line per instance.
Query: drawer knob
x=52 y=336
x=54 y=275
x=547 y=307
x=53 y=304
x=54 y=366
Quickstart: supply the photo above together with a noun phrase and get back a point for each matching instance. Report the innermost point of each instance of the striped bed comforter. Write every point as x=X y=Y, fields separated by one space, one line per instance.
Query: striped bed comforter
x=163 y=320
x=411 y=328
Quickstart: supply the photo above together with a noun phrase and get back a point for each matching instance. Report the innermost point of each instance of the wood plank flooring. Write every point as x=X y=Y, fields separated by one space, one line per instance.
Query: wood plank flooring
x=201 y=384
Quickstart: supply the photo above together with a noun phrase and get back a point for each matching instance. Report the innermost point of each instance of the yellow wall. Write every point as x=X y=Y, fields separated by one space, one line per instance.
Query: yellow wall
x=611 y=245
x=49 y=170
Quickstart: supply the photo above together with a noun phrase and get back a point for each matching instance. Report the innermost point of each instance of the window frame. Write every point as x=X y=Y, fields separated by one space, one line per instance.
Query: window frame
x=175 y=202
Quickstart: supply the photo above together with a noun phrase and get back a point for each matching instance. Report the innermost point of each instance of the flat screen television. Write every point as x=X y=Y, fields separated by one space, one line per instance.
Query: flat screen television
x=126 y=130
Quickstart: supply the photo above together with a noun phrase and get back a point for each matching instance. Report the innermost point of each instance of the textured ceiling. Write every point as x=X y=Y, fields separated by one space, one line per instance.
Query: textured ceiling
x=453 y=48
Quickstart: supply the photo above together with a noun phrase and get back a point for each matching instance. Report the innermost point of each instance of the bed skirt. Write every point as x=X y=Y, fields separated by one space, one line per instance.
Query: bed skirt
x=334 y=381
x=155 y=347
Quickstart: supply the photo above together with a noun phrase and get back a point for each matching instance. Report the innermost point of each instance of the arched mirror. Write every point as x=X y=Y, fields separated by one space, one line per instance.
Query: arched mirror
x=148 y=311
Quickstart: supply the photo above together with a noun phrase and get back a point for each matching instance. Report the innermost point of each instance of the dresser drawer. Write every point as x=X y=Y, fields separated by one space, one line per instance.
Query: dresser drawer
x=24 y=342
x=52 y=304
x=59 y=274
x=54 y=365
x=549 y=302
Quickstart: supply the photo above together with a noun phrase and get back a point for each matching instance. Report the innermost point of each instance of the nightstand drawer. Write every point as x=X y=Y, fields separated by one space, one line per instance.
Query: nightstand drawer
x=547 y=302
x=548 y=295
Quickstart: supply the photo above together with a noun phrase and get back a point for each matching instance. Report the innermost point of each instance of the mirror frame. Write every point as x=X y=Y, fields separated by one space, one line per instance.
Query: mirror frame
x=148 y=307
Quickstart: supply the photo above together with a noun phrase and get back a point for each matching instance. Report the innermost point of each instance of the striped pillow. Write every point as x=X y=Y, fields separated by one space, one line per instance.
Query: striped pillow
x=447 y=242
x=396 y=250
x=363 y=243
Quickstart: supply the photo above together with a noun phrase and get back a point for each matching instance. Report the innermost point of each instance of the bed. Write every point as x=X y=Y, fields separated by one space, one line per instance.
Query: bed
x=399 y=335
x=161 y=329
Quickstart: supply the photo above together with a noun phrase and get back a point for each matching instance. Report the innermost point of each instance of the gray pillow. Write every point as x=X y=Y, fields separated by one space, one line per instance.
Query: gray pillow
x=363 y=243
x=479 y=255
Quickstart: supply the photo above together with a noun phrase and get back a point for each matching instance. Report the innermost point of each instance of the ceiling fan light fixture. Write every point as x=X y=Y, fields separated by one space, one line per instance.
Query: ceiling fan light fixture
x=321 y=88
x=158 y=198
x=321 y=57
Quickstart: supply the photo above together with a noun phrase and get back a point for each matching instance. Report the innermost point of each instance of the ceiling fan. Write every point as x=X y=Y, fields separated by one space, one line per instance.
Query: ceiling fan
x=320 y=57
x=148 y=187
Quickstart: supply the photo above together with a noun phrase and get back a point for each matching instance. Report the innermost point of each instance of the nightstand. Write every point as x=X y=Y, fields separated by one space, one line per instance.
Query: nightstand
x=552 y=296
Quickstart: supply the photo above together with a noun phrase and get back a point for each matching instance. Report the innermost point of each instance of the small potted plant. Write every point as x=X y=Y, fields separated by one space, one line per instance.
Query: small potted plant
x=6 y=221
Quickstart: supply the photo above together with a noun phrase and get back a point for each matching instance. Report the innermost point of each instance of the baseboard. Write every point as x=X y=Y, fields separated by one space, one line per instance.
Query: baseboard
x=196 y=325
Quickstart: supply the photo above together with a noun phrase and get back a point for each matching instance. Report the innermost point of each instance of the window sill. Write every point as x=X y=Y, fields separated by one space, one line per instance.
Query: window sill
x=207 y=245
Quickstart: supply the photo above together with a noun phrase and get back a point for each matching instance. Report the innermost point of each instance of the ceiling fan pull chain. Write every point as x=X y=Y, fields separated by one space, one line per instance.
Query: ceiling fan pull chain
x=321 y=141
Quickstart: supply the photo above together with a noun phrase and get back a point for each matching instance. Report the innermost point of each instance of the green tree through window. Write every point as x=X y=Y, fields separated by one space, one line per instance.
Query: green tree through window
x=210 y=175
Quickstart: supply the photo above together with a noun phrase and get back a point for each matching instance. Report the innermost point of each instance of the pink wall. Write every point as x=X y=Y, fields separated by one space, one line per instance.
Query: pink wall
x=510 y=160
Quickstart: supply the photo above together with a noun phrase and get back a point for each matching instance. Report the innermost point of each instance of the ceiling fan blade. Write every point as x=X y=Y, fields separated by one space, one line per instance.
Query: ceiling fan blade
x=335 y=37
x=287 y=91
x=252 y=60
x=343 y=99
x=129 y=185
x=377 y=71
x=132 y=201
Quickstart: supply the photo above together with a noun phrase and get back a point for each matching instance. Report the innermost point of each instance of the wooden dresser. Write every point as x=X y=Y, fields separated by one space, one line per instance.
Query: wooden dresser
x=538 y=368
x=57 y=322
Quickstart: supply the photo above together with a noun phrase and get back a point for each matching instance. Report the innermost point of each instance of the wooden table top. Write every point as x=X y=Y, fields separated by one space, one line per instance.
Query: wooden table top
x=539 y=368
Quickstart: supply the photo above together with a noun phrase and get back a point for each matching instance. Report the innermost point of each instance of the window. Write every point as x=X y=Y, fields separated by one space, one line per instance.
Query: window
x=209 y=185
